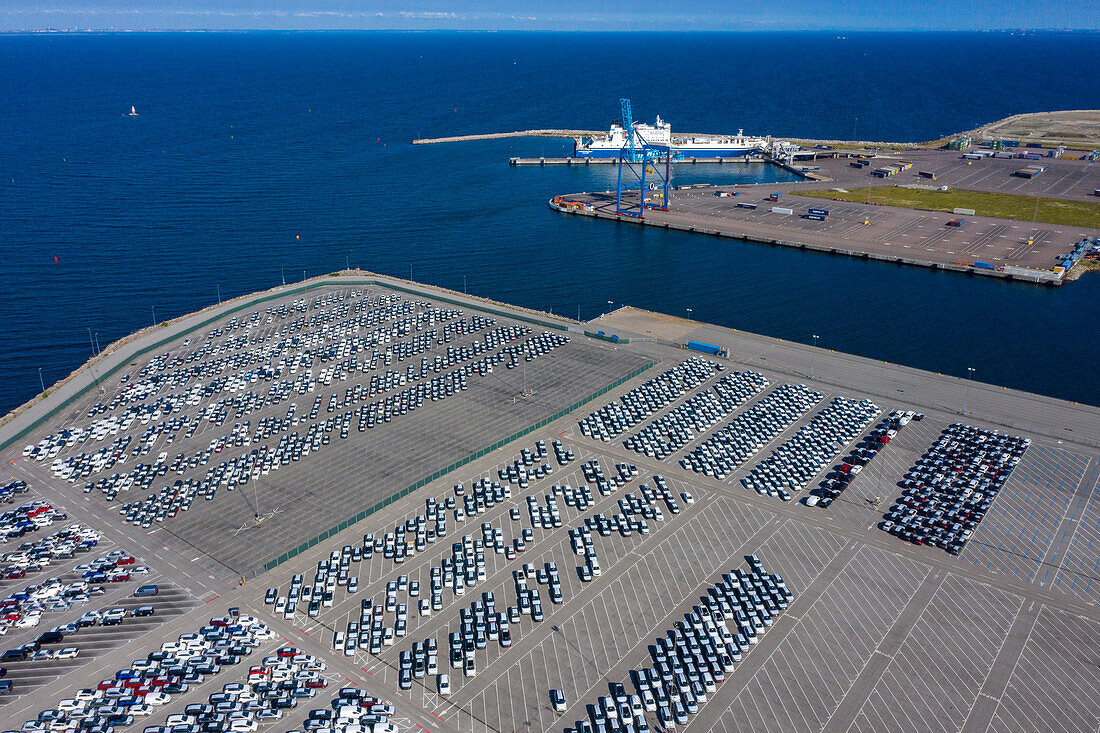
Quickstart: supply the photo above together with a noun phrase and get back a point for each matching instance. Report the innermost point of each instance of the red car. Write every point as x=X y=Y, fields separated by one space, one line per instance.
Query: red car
x=287 y=651
x=128 y=560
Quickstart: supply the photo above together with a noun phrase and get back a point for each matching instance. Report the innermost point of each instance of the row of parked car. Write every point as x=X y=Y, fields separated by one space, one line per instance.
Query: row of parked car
x=795 y=463
x=151 y=682
x=38 y=650
x=731 y=446
x=34 y=556
x=27 y=518
x=24 y=608
x=857 y=459
x=694 y=657
x=12 y=489
x=947 y=493
x=616 y=418
x=669 y=433
x=298 y=349
x=352 y=711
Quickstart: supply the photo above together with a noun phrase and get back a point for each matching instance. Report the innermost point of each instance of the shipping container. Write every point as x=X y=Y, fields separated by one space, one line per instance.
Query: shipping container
x=927 y=174
x=820 y=211
x=781 y=210
x=983 y=266
x=816 y=217
x=775 y=197
x=971 y=156
x=1034 y=145
x=747 y=206
x=704 y=347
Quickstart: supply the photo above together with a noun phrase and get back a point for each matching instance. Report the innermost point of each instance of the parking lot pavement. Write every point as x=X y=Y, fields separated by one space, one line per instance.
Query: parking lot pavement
x=1026 y=532
x=1073 y=179
x=318 y=352
x=608 y=626
x=189 y=567
x=102 y=667
x=879 y=478
x=801 y=683
x=922 y=684
x=93 y=642
x=1054 y=683
x=366 y=470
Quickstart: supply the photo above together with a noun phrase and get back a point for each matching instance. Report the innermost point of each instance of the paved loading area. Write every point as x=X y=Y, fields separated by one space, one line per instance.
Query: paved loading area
x=1068 y=179
x=315 y=387
x=879 y=634
x=893 y=233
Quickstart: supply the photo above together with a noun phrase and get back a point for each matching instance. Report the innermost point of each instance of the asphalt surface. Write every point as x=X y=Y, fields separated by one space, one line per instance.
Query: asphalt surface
x=881 y=635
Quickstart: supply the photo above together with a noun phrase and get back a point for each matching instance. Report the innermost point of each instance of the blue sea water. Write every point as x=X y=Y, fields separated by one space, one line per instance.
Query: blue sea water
x=261 y=156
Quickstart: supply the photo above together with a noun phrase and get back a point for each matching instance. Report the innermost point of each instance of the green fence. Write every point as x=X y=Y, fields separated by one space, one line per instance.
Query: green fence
x=444 y=471
x=252 y=304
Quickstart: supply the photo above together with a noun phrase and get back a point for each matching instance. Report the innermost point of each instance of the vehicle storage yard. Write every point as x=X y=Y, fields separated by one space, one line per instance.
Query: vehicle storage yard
x=699 y=546
x=888 y=233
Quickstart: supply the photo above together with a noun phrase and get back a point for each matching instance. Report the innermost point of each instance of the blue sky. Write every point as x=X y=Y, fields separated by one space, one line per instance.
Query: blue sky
x=679 y=15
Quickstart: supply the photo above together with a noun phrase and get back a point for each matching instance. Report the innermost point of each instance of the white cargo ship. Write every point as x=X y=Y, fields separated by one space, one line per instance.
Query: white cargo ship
x=660 y=134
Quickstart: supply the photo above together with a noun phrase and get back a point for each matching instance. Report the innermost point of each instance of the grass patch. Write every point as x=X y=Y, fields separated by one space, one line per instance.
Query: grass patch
x=985 y=203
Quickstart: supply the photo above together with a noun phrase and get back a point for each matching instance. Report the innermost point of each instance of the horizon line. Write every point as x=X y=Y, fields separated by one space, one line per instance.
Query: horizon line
x=91 y=31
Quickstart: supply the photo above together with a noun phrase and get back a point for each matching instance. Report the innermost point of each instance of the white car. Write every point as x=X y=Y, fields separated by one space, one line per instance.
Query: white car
x=28 y=622
x=158 y=698
x=68 y=652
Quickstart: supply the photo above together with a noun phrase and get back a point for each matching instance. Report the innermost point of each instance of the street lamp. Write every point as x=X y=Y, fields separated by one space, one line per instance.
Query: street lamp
x=154 y=308
x=40 y=380
x=966 y=392
x=464 y=285
x=219 y=294
x=91 y=341
x=812 y=354
x=282 y=271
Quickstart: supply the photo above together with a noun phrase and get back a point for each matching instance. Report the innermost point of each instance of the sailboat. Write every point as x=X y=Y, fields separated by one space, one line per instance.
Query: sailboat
x=133 y=112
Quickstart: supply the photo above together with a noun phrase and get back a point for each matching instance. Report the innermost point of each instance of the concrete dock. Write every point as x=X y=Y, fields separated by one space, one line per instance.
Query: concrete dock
x=880 y=632
x=1009 y=249
x=615 y=161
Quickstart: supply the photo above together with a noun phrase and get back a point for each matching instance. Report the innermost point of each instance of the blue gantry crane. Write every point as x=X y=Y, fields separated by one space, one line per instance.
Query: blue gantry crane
x=639 y=157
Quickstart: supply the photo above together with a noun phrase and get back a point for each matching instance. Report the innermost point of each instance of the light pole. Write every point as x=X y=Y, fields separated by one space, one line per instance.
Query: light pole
x=219 y=294
x=347 y=261
x=97 y=349
x=966 y=392
x=41 y=381
x=464 y=285
x=154 y=309
x=91 y=341
x=612 y=308
x=282 y=271
x=812 y=354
